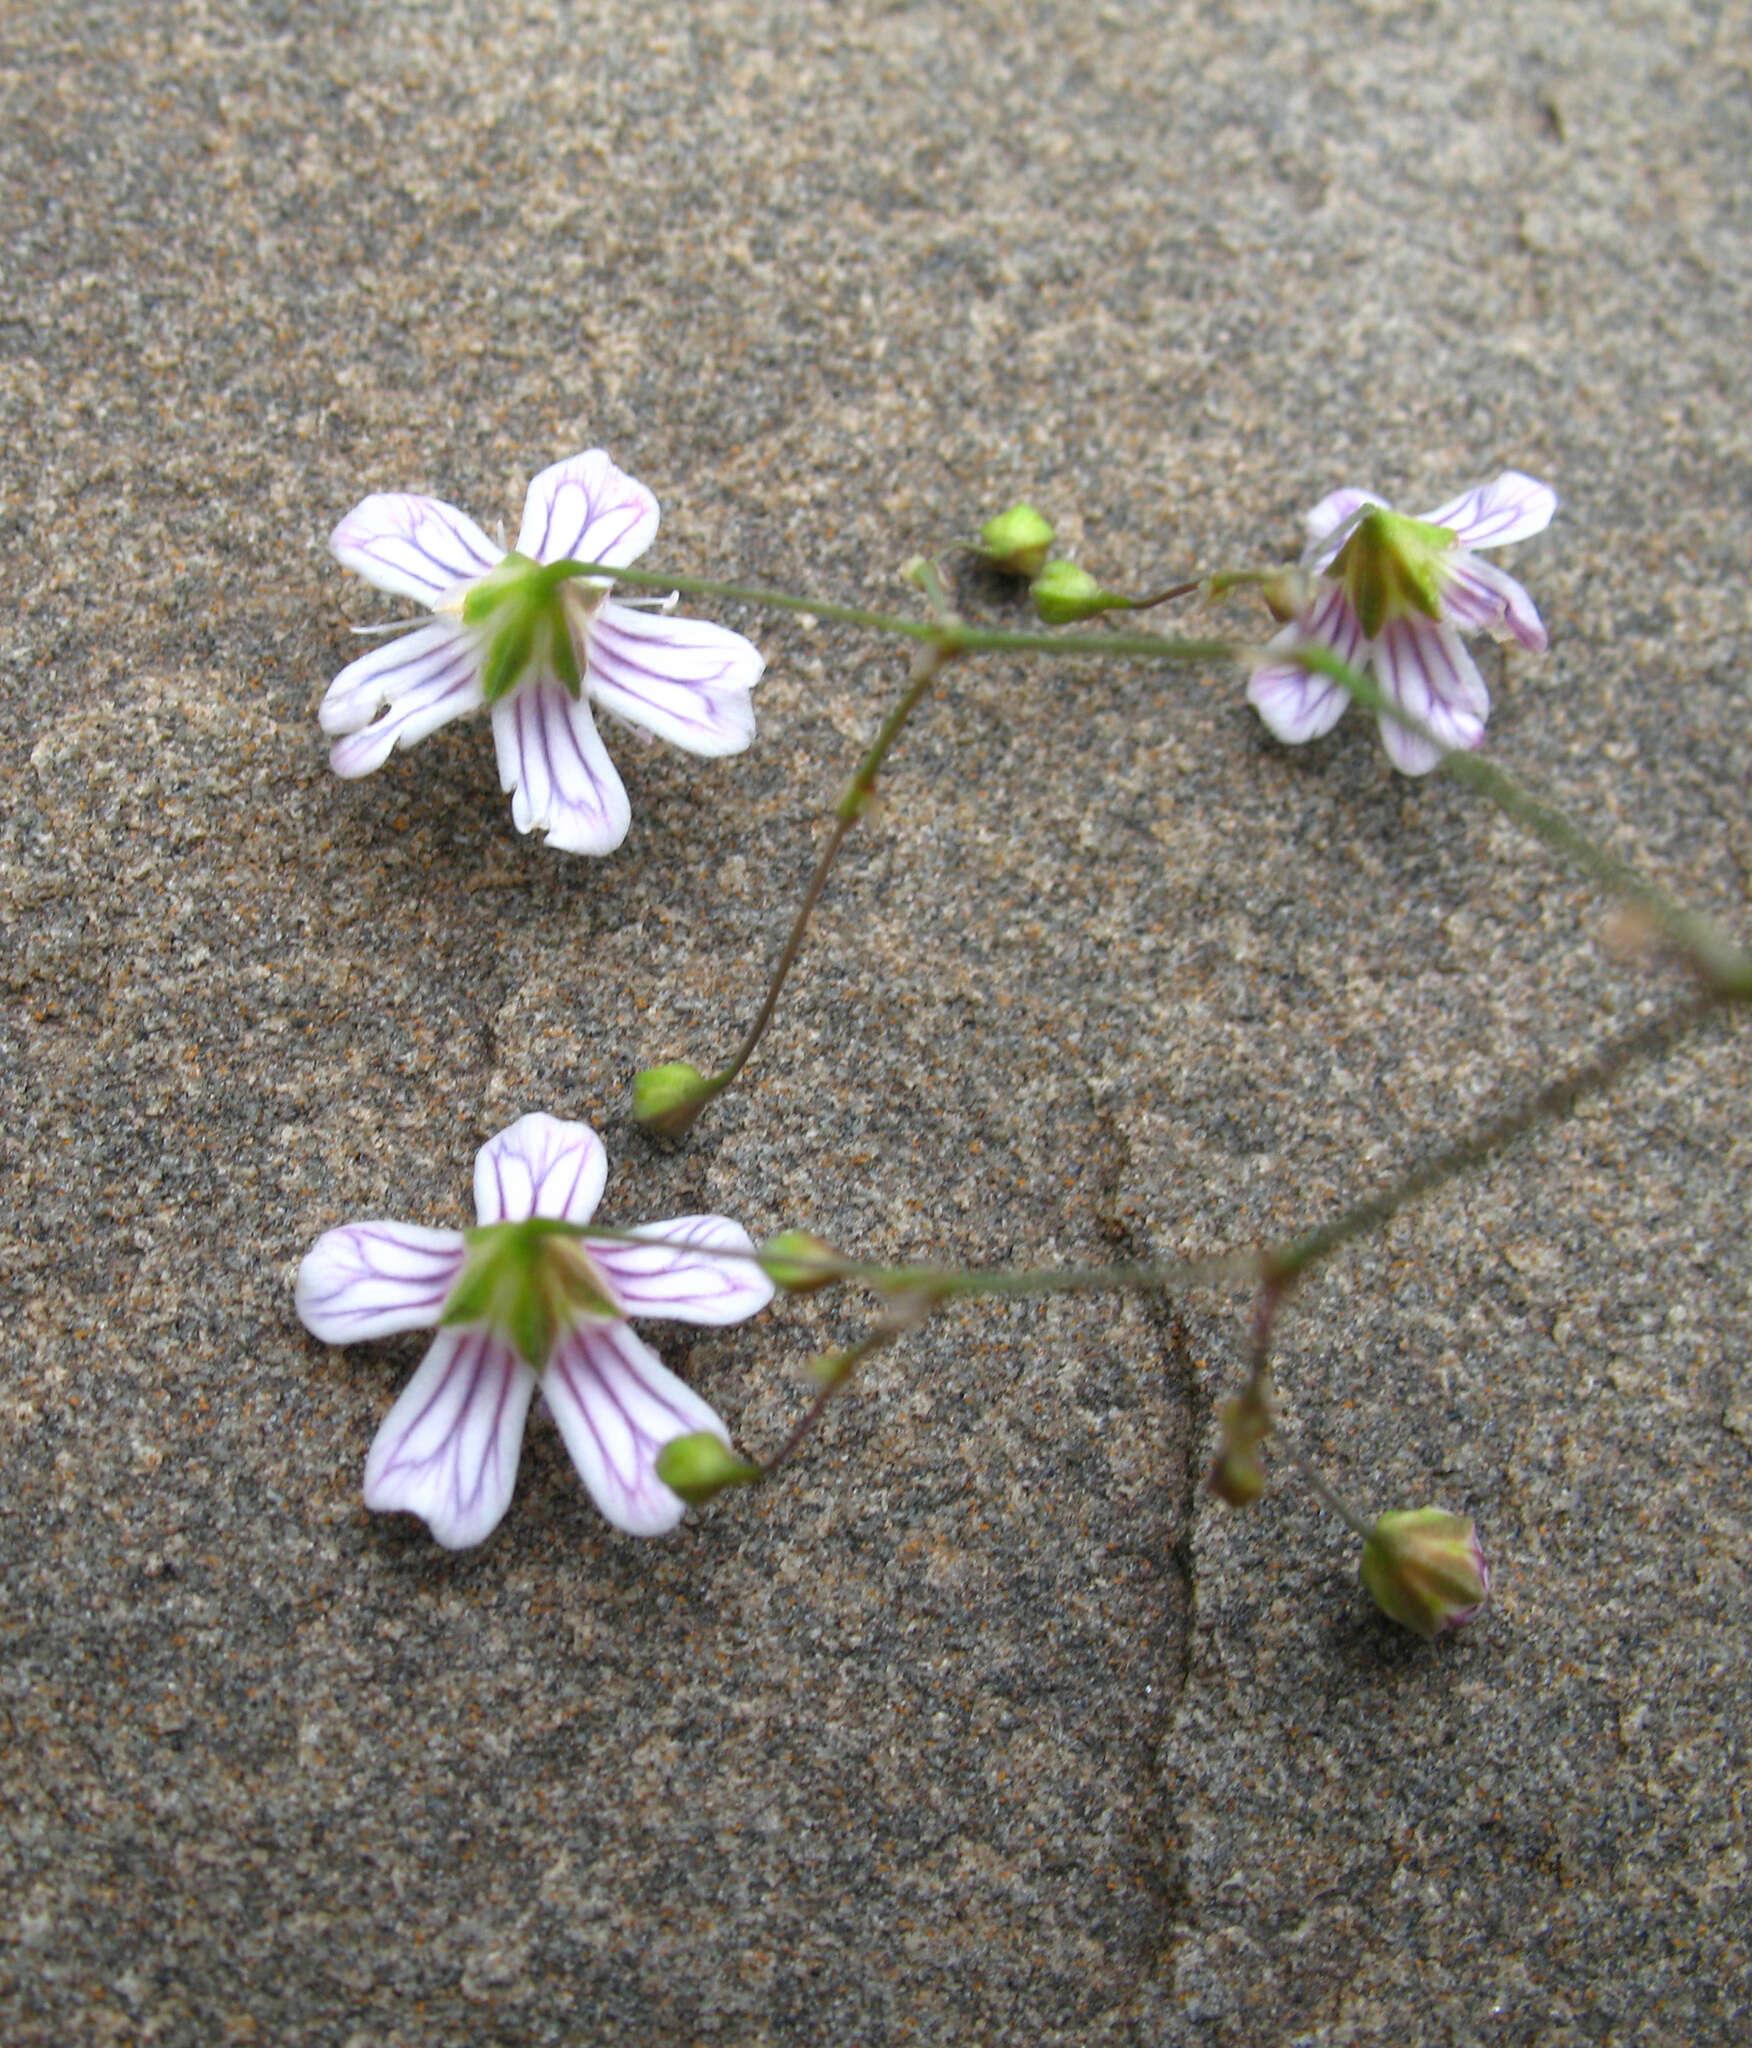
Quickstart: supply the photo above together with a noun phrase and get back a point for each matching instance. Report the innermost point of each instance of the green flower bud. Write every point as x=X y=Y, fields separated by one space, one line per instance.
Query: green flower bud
x=701 y=1465
x=668 y=1098
x=830 y=1368
x=1064 y=593
x=1426 y=1569
x=799 y=1261
x=1236 y=1478
x=1016 y=542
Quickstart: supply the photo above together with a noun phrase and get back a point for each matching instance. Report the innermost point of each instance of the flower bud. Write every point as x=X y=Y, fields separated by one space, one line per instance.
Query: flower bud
x=1237 y=1477
x=1426 y=1569
x=1286 y=594
x=701 y=1465
x=830 y=1368
x=1064 y=593
x=1016 y=542
x=799 y=1261
x=668 y=1098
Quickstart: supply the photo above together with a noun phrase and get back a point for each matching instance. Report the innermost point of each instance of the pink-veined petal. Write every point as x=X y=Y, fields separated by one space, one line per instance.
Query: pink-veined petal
x=1296 y=702
x=1485 y=599
x=388 y=671
x=417 y=547
x=374 y=1279
x=1328 y=525
x=687 y=680
x=586 y=510
x=552 y=760
x=427 y=678
x=617 y=1404
x=1424 y=668
x=1511 y=507
x=447 y=1450
x=682 y=1278
x=540 y=1166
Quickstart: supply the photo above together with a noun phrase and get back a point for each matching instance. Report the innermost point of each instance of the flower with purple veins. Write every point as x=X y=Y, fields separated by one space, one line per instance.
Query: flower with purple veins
x=1394 y=594
x=527 y=1299
x=540 y=643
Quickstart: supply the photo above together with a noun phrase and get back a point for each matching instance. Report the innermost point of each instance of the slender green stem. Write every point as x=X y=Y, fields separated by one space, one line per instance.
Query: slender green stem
x=1288 y=1262
x=788 y=958
x=1276 y=1269
x=1699 y=939
x=1328 y=1496
x=927 y=666
x=843 y=1364
x=954 y=636
x=1703 y=943
x=1148 y=604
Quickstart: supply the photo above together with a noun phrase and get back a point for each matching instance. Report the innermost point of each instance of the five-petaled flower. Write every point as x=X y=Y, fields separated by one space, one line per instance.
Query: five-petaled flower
x=533 y=637
x=1393 y=593
x=526 y=1298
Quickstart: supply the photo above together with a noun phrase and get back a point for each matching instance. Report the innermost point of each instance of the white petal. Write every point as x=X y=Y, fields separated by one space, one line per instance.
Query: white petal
x=686 y=680
x=417 y=547
x=1328 y=525
x=447 y=1450
x=1513 y=507
x=540 y=1166
x=691 y=1286
x=1425 y=668
x=426 y=678
x=1296 y=702
x=373 y=1279
x=586 y=510
x=1483 y=598
x=617 y=1405
x=552 y=760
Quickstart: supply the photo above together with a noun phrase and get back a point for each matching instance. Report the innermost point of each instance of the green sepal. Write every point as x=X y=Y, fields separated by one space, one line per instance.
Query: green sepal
x=1392 y=566
x=563 y=653
x=528 y=1281
x=508 y=655
x=701 y=1465
x=521 y=605
x=508 y=578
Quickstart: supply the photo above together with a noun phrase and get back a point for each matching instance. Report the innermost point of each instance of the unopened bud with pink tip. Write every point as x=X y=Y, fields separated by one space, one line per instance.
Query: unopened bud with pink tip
x=1426 y=1569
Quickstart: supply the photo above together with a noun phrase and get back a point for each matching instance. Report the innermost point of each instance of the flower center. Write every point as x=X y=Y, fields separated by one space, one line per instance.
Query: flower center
x=1392 y=566
x=532 y=615
x=529 y=1282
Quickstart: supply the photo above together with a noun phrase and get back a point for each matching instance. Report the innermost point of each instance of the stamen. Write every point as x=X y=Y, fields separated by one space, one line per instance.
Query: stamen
x=388 y=626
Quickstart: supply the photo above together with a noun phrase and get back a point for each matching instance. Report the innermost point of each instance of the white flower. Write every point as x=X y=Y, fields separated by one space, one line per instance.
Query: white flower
x=524 y=633
x=1392 y=593
x=527 y=1298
